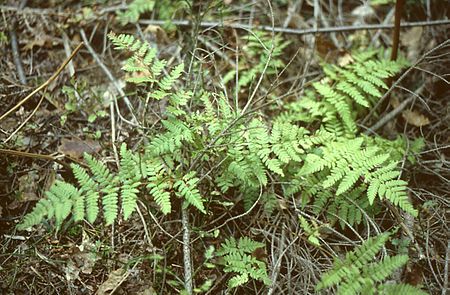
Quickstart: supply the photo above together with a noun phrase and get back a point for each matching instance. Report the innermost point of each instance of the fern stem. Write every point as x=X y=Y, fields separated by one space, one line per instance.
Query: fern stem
x=186 y=251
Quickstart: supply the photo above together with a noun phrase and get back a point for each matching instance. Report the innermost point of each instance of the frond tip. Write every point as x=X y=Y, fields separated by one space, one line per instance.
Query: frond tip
x=238 y=260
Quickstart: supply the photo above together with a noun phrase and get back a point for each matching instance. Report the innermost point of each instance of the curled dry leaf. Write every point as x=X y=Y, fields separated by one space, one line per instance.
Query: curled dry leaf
x=28 y=186
x=411 y=117
x=415 y=118
x=411 y=39
x=114 y=279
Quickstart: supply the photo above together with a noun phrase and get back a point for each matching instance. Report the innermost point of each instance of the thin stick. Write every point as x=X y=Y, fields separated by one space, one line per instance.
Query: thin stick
x=299 y=31
x=16 y=57
x=447 y=260
x=45 y=84
x=26 y=120
x=32 y=155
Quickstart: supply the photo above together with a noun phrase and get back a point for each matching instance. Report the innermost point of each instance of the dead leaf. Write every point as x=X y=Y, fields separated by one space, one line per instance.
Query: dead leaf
x=363 y=11
x=346 y=59
x=415 y=118
x=159 y=33
x=87 y=256
x=28 y=186
x=71 y=271
x=40 y=40
x=114 y=279
x=75 y=148
x=411 y=39
x=148 y=291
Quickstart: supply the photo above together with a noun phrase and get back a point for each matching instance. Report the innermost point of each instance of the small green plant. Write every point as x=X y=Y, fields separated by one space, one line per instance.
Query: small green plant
x=3 y=38
x=311 y=231
x=357 y=273
x=238 y=259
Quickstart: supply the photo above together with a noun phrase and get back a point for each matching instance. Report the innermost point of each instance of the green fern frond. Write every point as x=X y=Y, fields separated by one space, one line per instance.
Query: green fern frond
x=130 y=174
x=237 y=259
x=381 y=270
x=333 y=101
x=353 y=275
x=89 y=189
x=286 y=140
x=134 y=11
x=63 y=199
x=58 y=205
x=347 y=163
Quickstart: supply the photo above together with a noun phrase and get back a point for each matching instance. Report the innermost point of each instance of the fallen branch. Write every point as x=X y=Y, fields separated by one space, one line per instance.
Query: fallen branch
x=297 y=31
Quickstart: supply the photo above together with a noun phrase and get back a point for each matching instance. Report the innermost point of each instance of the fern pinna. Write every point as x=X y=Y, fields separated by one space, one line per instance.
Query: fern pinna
x=358 y=273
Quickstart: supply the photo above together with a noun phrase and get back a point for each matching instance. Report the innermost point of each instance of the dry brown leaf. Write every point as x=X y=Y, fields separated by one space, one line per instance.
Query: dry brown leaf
x=148 y=291
x=159 y=33
x=40 y=40
x=28 y=187
x=75 y=148
x=346 y=59
x=415 y=118
x=411 y=39
x=114 y=279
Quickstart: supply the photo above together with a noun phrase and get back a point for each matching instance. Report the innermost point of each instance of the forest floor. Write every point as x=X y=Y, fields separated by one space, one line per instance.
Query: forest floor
x=72 y=113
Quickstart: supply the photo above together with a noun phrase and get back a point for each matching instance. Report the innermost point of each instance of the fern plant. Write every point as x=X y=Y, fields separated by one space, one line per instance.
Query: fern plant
x=238 y=259
x=246 y=153
x=357 y=273
x=204 y=146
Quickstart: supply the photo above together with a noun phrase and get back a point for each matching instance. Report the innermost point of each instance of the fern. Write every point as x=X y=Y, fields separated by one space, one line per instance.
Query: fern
x=336 y=98
x=134 y=11
x=146 y=68
x=238 y=260
x=89 y=188
x=346 y=162
x=354 y=274
x=158 y=185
